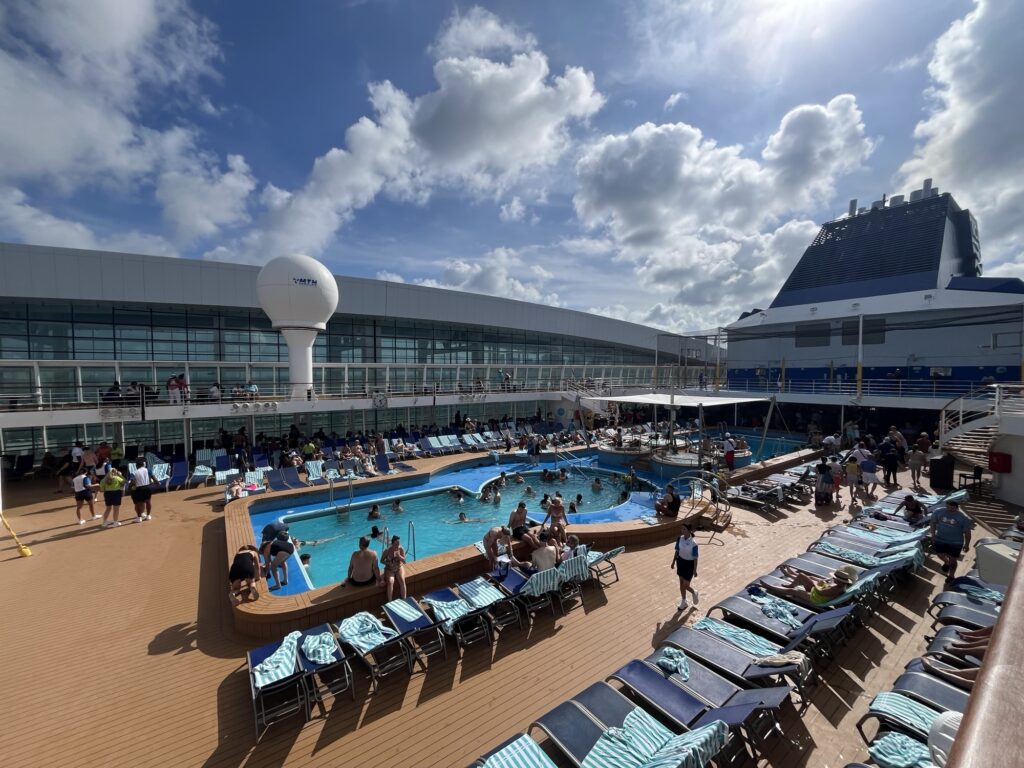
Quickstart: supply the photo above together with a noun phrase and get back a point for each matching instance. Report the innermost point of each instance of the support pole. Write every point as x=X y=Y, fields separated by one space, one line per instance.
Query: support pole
x=718 y=361
x=860 y=354
x=764 y=432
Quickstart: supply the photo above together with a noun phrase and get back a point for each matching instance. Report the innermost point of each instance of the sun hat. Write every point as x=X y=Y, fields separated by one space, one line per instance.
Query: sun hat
x=845 y=575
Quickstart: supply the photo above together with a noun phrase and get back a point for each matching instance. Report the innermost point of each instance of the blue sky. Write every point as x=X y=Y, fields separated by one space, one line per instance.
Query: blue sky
x=663 y=162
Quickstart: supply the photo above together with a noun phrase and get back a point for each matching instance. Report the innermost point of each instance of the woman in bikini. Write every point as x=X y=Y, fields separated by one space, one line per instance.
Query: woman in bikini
x=393 y=558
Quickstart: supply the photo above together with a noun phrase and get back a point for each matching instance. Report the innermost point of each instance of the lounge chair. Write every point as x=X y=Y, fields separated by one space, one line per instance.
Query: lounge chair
x=531 y=592
x=427 y=448
x=437 y=447
x=161 y=476
x=325 y=678
x=383 y=465
x=458 y=617
x=573 y=573
x=602 y=563
x=332 y=470
x=502 y=609
x=897 y=711
x=275 y=682
x=201 y=475
x=729 y=660
x=963 y=599
x=260 y=460
x=931 y=691
x=204 y=456
x=315 y=473
x=381 y=648
x=275 y=481
x=968 y=617
x=222 y=462
x=290 y=475
x=254 y=477
x=814 y=633
x=939 y=648
x=421 y=632
x=222 y=478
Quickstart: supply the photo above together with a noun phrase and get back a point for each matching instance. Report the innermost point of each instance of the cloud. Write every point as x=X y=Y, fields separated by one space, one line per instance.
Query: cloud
x=587 y=246
x=671 y=101
x=27 y=223
x=199 y=201
x=699 y=221
x=908 y=63
x=971 y=142
x=391 y=277
x=501 y=272
x=513 y=210
x=479 y=32
x=487 y=127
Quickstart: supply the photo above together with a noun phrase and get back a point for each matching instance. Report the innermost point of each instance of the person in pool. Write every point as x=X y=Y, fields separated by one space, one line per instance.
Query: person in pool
x=596 y=486
x=396 y=506
x=579 y=499
x=518 y=478
x=464 y=519
x=502 y=480
x=545 y=501
x=362 y=566
x=563 y=475
x=529 y=491
x=374 y=513
x=497 y=497
x=485 y=497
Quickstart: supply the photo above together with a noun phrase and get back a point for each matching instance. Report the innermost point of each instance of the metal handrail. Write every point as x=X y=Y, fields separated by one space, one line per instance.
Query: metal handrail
x=411 y=537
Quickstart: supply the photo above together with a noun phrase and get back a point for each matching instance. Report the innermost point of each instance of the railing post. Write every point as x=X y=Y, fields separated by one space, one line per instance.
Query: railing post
x=999 y=391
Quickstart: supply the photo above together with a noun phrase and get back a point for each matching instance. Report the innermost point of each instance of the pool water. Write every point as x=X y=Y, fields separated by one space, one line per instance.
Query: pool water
x=332 y=537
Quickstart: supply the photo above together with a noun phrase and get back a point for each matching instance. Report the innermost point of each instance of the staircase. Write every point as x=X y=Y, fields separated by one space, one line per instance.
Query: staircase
x=970 y=423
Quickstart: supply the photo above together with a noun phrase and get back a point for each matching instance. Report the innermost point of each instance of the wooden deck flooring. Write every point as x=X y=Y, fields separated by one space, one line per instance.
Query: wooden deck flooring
x=118 y=651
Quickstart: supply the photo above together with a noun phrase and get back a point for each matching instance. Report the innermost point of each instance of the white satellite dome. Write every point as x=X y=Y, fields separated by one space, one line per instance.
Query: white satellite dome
x=297 y=291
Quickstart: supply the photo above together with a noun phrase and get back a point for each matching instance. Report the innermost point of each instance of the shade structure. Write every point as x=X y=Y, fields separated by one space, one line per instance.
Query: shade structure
x=681 y=399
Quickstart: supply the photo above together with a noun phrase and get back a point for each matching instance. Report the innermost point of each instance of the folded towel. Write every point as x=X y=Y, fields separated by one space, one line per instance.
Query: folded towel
x=895 y=750
x=904 y=710
x=981 y=593
x=673 y=660
x=521 y=752
x=320 y=648
x=447 y=611
x=364 y=632
x=278 y=665
x=403 y=610
x=739 y=637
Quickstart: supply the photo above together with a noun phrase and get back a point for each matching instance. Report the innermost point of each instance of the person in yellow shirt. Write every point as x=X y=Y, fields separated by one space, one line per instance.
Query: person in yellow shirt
x=112 y=486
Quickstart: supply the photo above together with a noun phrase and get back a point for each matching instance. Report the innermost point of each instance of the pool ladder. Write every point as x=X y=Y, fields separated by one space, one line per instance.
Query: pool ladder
x=337 y=510
x=411 y=538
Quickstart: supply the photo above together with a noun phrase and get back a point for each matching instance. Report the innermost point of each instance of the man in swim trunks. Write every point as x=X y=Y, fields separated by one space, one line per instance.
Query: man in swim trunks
x=362 y=566
x=517 y=524
x=491 y=540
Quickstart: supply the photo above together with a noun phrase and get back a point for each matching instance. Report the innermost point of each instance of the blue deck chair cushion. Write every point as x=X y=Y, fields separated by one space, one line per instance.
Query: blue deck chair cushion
x=406 y=615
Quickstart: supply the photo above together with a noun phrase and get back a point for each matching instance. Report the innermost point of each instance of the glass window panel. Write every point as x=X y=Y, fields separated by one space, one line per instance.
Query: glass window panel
x=13 y=347
x=140 y=374
x=58 y=312
x=124 y=317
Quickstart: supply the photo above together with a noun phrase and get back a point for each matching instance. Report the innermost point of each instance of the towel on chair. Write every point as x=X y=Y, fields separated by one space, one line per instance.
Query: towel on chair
x=981 y=593
x=278 y=665
x=776 y=608
x=904 y=709
x=320 y=648
x=674 y=660
x=895 y=750
x=447 y=611
x=403 y=610
x=364 y=632
x=764 y=652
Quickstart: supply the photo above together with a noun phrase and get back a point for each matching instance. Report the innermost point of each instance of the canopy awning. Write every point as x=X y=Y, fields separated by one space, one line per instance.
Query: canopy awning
x=681 y=400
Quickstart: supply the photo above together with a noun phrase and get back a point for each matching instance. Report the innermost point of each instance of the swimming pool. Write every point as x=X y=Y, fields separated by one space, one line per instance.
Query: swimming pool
x=431 y=516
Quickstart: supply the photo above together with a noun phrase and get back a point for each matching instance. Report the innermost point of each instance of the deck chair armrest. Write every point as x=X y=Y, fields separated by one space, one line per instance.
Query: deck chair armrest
x=771 y=698
x=732 y=715
x=756 y=672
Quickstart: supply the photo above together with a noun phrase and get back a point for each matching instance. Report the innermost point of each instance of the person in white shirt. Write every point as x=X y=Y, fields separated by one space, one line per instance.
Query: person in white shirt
x=729 y=448
x=142 y=494
x=82 y=484
x=684 y=560
x=831 y=443
x=77 y=453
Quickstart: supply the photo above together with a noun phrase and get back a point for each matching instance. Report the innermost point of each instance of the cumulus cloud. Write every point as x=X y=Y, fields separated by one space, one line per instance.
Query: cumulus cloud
x=700 y=221
x=671 y=101
x=199 y=201
x=28 y=223
x=77 y=77
x=487 y=127
x=513 y=210
x=971 y=142
x=502 y=272
x=391 y=277
x=479 y=32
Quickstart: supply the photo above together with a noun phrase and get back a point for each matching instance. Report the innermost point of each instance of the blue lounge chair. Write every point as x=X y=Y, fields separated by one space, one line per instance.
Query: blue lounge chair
x=284 y=696
x=894 y=711
x=968 y=617
x=502 y=609
x=939 y=648
x=931 y=691
x=315 y=473
x=459 y=618
x=381 y=649
x=729 y=660
x=421 y=632
x=532 y=592
x=275 y=481
x=816 y=633
x=518 y=751
x=222 y=463
x=383 y=465
x=324 y=679
x=290 y=475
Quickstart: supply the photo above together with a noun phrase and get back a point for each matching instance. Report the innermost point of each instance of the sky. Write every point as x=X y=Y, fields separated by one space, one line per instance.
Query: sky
x=660 y=162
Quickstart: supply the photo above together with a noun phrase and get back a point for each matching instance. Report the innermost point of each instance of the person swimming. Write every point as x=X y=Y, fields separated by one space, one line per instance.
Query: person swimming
x=518 y=478
x=545 y=501
x=529 y=491
x=374 y=513
x=396 y=506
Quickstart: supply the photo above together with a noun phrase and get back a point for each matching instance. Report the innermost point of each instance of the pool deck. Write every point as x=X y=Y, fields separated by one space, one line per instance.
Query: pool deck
x=119 y=649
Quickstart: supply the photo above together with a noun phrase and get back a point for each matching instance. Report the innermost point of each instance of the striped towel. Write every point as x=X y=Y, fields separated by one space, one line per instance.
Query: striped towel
x=648 y=520
x=364 y=632
x=775 y=608
x=981 y=593
x=616 y=748
x=542 y=582
x=521 y=753
x=404 y=610
x=692 y=749
x=480 y=594
x=447 y=611
x=904 y=710
x=674 y=661
x=763 y=651
x=278 y=665
x=895 y=750
x=320 y=648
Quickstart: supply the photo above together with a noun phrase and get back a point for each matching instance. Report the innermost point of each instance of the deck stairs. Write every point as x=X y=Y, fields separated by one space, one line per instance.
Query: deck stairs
x=970 y=423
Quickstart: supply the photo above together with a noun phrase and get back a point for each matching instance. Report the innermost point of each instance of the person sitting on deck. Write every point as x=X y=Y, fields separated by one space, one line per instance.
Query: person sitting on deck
x=668 y=505
x=545 y=556
x=803 y=589
x=362 y=566
x=393 y=558
x=556 y=514
x=492 y=539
